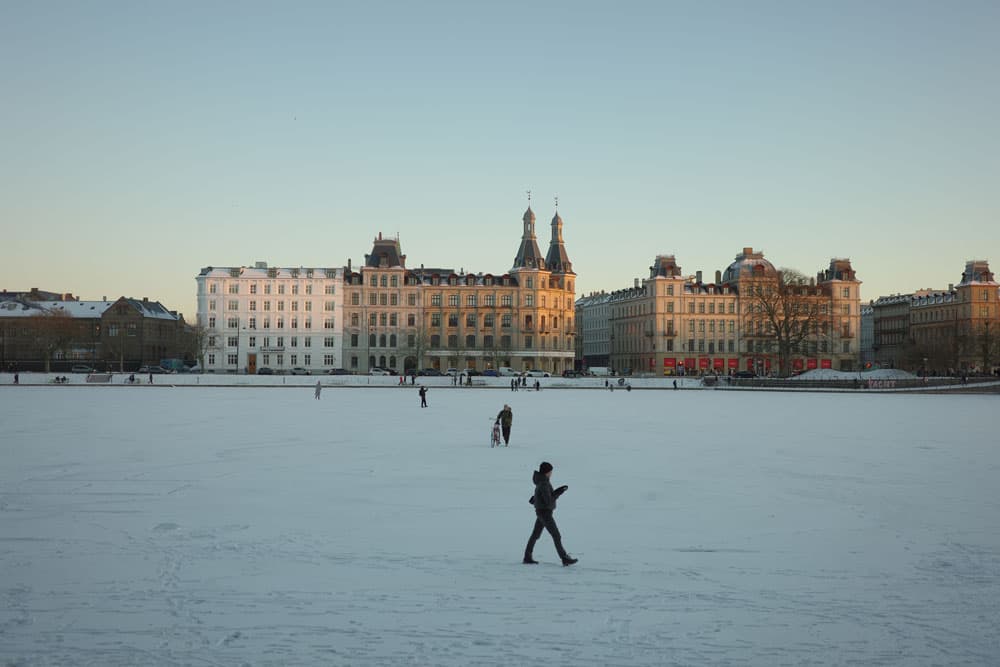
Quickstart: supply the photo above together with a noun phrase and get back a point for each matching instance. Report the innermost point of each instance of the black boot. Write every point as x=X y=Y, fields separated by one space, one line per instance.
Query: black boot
x=528 y=560
x=569 y=560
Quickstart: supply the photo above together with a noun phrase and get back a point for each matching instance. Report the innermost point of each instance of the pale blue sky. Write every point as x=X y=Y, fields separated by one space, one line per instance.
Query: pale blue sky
x=141 y=141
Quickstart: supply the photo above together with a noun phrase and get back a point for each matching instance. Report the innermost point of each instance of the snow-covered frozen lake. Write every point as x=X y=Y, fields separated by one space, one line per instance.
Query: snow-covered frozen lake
x=258 y=526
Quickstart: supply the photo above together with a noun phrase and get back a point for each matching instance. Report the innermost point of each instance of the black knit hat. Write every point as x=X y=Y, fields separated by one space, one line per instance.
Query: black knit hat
x=545 y=467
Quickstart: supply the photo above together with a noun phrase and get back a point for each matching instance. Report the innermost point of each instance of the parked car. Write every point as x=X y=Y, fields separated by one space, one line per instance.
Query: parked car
x=338 y=371
x=152 y=369
x=745 y=374
x=571 y=374
x=538 y=374
x=80 y=368
x=298 y=370
x=452 y=372
x=429 y=372
x=264 y=370
x=472 y=372
x=490 y=373
x=378 y=371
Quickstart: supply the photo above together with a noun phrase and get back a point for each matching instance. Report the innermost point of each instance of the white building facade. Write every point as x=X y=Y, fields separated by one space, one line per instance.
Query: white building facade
x=265 y=317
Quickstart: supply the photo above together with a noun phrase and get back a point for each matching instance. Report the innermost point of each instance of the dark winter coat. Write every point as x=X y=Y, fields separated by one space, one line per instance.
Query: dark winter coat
x=545 y=497
x=505 y=417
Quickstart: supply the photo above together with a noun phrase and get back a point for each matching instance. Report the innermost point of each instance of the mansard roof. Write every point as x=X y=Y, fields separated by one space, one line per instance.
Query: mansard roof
x=386 y=253
x=749 y=265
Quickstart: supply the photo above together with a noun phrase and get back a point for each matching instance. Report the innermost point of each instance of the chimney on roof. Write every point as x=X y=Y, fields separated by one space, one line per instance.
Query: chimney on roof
x=951 y=287
x=104 y=298
x=348 y=263
x=260 y=265
x=747 y=251
x=698 y=276
x=145 y=299
x=635 y=282
x=718 y=277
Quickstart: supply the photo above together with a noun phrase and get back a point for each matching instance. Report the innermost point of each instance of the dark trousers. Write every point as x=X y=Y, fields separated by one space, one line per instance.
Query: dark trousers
x=506 y=433
x=545 y=520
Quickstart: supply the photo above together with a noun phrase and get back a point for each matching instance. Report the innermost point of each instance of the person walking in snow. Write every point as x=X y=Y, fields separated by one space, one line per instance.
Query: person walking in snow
x=319 y=389
x=423 y=396
x=505 y=418
x=544 y=501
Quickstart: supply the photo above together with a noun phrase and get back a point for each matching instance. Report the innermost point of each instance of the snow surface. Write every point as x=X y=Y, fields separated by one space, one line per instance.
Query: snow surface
x=258 y=526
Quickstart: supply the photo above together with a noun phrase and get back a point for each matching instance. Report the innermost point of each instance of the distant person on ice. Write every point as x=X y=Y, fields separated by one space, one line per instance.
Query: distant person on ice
x=544 y=501
x=505 y=418
x=423 y=396
x=319 y=390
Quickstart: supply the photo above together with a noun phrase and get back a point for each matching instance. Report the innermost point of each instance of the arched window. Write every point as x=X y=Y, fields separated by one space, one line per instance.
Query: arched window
x=371 y=362
x=381 y=340
x=392 y=340
x=371 y=340
x=381 y=361
x=392 y=362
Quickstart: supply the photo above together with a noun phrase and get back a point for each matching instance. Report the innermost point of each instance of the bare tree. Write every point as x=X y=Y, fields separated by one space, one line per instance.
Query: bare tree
x=194 y=343
x=421 y=342
x=784 y=314
x=53 y=331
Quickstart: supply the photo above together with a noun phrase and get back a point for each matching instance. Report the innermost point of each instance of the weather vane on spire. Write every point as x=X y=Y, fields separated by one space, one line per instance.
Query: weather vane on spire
x=529 y=198
x=557 y=202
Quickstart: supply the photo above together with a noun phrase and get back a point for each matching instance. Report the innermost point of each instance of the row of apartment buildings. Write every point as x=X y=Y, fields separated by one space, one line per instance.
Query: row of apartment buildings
x=385 y=314
x=954 y=330
x=671 y=323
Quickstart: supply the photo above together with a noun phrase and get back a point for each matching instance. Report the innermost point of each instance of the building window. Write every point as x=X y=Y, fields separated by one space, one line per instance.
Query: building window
x=529 y=300
x=281 y=289
x=329 y=341
x=528 y=342
x=211 y=359
x=253 y=305
x=393 y=319
x=233 y=359
x=233 y=323
x=453 y=319
x=212 y=288
x=330 y=360
x=505 y=320
x=435 y=299
x=328 y=323
x=470 y=341
x=470 y=300
x=506 y=299
x=411 y=299
x=295 y=342
x=453 y=300
x=252 y=322
x=234 y=288
x=489 y=300
x=267 y=306
x=372 y=319
x=211 y=323
x=435 y=319
x=329 y=289
x=488 y=320
x=435 y=341
x=234 y=305
x=411 y=320
x=470 y=319
x=452 y=341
